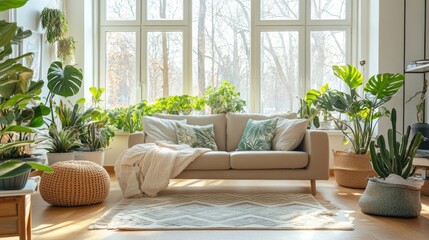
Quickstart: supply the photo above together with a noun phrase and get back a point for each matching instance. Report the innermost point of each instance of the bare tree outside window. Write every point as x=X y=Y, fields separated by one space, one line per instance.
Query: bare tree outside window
x=121 y=10
x=121 y=66
x=221 y=44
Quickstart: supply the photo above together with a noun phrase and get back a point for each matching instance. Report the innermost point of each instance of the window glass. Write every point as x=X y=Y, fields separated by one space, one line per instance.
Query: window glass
x=279 y=71
x=119 y=10
x=328 y=9
x=121 y=66
x=165 y=64
x=280 y=9
x=221 y=44
x=327 y=48
x=165 y=9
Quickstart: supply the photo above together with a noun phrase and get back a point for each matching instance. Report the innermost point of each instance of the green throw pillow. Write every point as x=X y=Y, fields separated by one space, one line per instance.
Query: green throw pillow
x=196 y=136
x=257 y=135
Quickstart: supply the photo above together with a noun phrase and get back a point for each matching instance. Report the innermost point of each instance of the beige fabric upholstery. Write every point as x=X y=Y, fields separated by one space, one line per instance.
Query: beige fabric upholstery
x=236 y=123
x=218 y=121
x=214 y=160
x=268 y=159
x=136 y=138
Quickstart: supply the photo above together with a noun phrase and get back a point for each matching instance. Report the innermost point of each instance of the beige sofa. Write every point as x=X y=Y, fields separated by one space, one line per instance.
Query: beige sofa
x=310 y=161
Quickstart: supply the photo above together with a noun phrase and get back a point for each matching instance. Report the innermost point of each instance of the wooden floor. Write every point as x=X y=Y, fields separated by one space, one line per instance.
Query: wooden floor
x=71 y=223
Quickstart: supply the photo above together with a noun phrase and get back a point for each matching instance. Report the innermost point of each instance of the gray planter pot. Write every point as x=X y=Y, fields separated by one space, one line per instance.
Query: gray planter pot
x=14 y=183
x=391 y=200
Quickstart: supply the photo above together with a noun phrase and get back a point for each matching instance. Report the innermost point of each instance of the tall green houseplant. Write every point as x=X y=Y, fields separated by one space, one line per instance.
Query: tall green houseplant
x=363 y=112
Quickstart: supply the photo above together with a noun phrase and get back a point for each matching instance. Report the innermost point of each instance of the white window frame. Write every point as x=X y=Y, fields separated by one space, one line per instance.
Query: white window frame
x=304 y=25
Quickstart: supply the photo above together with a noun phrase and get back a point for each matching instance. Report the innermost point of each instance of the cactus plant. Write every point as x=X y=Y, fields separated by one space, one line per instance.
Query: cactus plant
x=397 y=158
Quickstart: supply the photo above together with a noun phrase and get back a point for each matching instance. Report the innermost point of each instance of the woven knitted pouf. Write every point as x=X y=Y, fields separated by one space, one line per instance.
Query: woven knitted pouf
x=75 y=183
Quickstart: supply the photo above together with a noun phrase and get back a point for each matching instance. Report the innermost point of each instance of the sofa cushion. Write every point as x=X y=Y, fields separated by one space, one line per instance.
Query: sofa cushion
x=214 y=160
x=196 y=136
x=289 y=134
x=236 y=122
x=160 y=129
x=268 y=159
x=257 y=135
x=218 y=121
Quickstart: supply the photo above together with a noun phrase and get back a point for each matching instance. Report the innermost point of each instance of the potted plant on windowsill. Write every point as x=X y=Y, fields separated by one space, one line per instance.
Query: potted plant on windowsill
x=352 y=169
x=224 y=99
x=421 y=126
x=395 y=192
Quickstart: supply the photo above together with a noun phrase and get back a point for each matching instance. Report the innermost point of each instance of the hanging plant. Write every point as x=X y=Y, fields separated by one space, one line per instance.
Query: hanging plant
x=55 y=23
x=66 y=48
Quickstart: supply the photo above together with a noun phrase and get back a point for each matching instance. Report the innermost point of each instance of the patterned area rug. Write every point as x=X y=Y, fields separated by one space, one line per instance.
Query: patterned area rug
x=223 y=211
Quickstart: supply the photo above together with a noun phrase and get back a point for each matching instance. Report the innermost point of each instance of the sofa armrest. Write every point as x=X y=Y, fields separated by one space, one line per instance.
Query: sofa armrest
x=136 y=138
x=316 y=144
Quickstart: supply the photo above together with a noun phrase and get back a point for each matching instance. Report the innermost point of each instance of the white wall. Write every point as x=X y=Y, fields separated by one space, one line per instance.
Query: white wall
x=386 y=51
x=28 y=17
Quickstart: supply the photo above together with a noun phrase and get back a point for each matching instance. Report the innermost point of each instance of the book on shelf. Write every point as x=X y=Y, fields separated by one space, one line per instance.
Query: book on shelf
x=417 y=63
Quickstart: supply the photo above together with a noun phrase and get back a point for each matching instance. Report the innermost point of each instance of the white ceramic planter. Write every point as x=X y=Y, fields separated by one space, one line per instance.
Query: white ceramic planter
x=96 y=157
x=57 y=157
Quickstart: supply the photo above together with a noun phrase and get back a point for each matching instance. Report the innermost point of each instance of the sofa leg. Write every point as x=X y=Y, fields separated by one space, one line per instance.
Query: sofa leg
x=313 y=187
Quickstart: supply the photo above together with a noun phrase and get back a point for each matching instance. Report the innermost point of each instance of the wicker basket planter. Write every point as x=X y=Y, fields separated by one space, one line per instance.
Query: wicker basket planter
x=352 y=170
x=393 y=200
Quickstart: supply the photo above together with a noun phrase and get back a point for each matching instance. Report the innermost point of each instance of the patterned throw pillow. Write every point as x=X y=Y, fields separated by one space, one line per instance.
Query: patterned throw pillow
x=196 y=136
x=257 y=135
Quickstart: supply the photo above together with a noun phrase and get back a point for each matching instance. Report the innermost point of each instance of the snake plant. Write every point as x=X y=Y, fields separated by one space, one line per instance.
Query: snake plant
x=396 y=157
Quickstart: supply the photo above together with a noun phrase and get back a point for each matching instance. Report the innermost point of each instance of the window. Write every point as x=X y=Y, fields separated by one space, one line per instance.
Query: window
x=273 y=51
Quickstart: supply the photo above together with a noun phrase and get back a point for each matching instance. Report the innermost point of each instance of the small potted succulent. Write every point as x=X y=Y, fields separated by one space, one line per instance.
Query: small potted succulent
x=395 y=192
x=60 y=144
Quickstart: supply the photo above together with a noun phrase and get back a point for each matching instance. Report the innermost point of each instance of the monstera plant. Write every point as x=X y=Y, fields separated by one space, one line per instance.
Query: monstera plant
x=363 y=112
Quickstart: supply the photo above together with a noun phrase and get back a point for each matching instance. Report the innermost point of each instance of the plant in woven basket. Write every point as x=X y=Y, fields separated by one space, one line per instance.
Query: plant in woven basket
x=395 y=192
x=396 y=157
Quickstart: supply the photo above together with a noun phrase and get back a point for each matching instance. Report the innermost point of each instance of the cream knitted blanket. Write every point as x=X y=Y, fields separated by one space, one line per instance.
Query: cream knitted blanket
x=147 y=168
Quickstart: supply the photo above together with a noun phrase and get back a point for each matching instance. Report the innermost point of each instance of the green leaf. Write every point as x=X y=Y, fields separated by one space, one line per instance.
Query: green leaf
x=7 y=31
x=384 y=86
x=40 y=167
x=64 y=82
x=81 y=101
x=349 y=74
x=17 y=128
x=9 y=4
x=4 y=146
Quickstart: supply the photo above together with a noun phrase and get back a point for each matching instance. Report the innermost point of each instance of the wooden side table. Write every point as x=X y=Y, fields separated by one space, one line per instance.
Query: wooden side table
x=15 y=211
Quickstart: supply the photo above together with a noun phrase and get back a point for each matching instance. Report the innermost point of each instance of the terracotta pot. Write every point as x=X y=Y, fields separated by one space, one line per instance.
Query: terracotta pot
x=352 y=170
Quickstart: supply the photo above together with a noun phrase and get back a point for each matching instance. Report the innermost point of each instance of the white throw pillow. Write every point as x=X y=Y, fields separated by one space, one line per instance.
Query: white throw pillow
x=160 y=129
x=289 y=134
